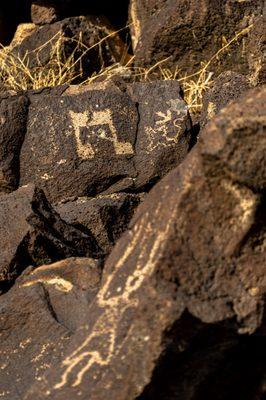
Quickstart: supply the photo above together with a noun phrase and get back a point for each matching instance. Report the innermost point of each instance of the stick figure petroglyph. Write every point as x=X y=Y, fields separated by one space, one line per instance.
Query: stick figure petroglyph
x=115 y=297
x=99 y=120
x=162 y=134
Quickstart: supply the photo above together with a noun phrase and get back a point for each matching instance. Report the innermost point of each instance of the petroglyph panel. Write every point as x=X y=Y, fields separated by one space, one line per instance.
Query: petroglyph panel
x=176 y=256
x=92 y=132
x=104 y=138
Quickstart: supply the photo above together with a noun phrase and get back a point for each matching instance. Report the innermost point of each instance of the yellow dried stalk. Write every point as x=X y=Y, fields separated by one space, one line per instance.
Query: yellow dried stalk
x=16 y=74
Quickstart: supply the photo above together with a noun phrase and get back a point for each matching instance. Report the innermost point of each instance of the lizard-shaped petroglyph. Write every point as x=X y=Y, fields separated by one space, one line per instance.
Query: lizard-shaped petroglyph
x=119 y=293
x=161 y=135
x=98 y=120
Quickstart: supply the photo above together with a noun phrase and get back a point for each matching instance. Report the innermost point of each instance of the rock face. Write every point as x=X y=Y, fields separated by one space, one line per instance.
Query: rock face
x=113 y=137
x=195 y=244
x=23 y=31
x=227 y=87
x=38 y=316
x=43 y=12
x=85 y=152
x=106 y=216
x=164 y=130
x=191 y=32
x=13 y=125
x=139 y=12
x=32 y=233
x=257 y=51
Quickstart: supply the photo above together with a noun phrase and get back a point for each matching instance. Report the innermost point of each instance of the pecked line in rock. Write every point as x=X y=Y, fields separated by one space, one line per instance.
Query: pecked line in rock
x=196 y=245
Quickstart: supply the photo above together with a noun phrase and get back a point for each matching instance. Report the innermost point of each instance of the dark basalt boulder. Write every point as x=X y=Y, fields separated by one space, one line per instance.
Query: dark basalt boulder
x=106 y=216
x=113 y=137
x=139 y=12
x=38 y=316
x=86 y=151
x=31 y=232
x=192 y=264
x=13 y=126
x=227 y=87
x=191 y=32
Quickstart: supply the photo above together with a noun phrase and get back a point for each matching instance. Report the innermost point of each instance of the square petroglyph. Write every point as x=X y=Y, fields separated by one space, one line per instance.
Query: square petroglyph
x=100 y=126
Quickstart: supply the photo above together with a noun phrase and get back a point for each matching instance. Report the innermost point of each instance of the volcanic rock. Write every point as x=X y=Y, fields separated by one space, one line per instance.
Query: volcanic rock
x=43 y=12
x=191 y=33
x=196 y=246
x=257 y=51
x=139 y=12
x=13 y=125
x=113 y=138
x=227 y=87
x=38 y=316
x=85 y=152
x=106 y=216
x=31 y=232
x=22 y=32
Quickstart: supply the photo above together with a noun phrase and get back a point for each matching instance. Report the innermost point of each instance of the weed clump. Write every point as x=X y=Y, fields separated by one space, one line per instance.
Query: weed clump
x=16 y=73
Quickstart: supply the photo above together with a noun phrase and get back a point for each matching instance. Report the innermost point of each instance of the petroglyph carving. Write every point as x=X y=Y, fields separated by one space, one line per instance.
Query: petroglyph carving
x=161 y=135
x=99 y=120
x=61 y=284
x=114 y=299
x=80 y=120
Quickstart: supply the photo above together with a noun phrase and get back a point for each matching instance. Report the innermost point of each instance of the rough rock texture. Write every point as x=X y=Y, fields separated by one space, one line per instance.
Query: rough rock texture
x=139 y=12
x=38 y=316
x=227 y=87
x=106 y=216
x=31 y=232
x=257 y=51
x=109 y=140
x=43 y=12
x=191 y=32
x=197 y=243
x=22 y=32
x=13 y=125
x=40 y=48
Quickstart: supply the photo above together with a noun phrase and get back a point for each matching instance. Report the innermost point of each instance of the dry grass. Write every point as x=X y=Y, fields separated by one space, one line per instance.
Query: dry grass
x=16 y=73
